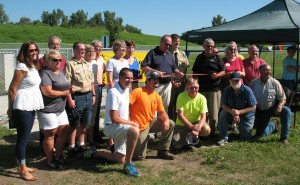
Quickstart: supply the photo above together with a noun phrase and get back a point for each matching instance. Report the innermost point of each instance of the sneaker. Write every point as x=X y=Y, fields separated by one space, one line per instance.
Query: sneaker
x=89 y=153
x=222 y=142
x=56 y=165
x=285 y=141
x=129 y=169
x=82 y=148
x=165 y=155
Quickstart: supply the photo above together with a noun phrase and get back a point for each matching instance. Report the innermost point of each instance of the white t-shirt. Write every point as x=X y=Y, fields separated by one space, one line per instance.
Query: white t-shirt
x=115 y=66
x=93 y=65
x=117 y=99
x=29 y=96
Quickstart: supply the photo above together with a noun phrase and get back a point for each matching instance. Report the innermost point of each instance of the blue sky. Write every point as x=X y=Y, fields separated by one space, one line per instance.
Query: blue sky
x=153 y=17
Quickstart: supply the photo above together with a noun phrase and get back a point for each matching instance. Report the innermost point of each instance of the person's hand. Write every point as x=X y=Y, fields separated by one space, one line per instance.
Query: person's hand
x=9 y=113
x=278 y=110
x=93 y=100
x=135 y=124
x=236 y=119
x=176 y=84
x=161 y=74
x=72 y=104
x=194 y=133
x=165 y=126
x=235 y=112
x=72 y=89
x=214 y=76
x=179 y=75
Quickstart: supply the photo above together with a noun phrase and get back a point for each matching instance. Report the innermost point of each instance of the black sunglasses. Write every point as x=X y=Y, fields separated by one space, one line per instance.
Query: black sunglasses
x=56 y=60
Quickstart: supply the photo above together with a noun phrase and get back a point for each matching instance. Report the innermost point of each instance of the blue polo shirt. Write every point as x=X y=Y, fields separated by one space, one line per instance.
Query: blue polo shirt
x=244 y=99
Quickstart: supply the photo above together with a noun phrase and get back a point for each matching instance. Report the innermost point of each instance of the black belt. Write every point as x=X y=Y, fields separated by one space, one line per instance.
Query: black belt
x=80 y=93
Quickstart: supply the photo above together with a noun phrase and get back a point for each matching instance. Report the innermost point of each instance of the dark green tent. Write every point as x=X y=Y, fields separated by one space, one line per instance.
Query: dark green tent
x=277 y=22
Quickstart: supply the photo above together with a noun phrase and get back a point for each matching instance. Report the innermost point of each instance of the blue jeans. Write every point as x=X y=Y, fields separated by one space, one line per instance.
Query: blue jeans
x=245 y=125
x=262 y=118
x=24 y=122
x=82 y=114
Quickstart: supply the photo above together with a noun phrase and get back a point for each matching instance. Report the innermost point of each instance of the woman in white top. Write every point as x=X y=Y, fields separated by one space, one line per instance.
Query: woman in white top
x=24 y=97
x=96 y=68
x=116 y=63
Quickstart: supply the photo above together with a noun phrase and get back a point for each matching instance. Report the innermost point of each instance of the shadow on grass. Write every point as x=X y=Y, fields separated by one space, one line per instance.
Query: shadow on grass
x=35 y=158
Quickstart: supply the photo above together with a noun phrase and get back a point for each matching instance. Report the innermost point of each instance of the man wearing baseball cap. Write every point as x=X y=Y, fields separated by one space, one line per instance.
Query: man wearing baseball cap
x=144 y=103
x=238 y=107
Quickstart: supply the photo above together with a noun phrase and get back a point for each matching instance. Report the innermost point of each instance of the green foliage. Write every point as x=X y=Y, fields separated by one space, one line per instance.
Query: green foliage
x=24 y=21
x=113 y=24
x=132 y=29
x=217 y=20
x=78 y=19
x=3 y=16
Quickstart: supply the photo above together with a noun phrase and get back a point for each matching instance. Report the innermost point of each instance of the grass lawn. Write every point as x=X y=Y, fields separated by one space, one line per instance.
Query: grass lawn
x=265 y=161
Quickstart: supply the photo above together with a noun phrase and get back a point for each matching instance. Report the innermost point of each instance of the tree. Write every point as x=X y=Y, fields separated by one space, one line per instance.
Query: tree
x=24 y=20
x=53 y=19
x=132 y=29
x=217 y=20
x=96 y=20
x=113 y=25
x=78 y=19
x=3 y=16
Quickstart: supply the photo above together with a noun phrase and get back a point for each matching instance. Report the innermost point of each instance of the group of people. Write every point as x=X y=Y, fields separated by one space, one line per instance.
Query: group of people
x=67 y=97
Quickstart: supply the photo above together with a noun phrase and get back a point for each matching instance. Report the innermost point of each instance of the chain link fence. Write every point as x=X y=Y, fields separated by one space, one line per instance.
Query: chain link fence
x=9 y=51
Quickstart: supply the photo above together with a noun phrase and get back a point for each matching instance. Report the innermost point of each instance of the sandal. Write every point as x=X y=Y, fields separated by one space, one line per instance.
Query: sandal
x=30 y=170
x=28 y=177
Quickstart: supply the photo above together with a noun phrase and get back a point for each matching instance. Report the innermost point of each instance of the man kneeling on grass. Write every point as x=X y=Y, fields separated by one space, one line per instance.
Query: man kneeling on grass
x=238 y=107
x=191 y=116
x=118 y=126
x=144 y=103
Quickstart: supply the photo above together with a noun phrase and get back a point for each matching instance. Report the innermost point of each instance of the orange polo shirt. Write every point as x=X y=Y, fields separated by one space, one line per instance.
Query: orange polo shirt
x=143 y=106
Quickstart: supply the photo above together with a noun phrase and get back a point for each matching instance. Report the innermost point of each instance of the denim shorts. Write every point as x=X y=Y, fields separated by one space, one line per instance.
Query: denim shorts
x=82 y=113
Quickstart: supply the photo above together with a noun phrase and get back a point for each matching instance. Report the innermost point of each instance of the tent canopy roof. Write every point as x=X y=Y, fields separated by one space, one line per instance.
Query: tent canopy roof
x=277 y=22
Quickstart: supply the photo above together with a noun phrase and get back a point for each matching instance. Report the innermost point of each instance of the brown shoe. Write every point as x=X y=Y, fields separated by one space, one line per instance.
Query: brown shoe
x=276 y=122
x=285 y=141
x=164 y=154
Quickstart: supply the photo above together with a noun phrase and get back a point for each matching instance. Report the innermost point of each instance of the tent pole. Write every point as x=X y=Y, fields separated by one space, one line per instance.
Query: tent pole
x=274 y=50
x=296 y=88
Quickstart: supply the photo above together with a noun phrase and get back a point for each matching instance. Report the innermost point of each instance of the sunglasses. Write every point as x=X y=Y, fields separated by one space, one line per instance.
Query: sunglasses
x=56 y=60
x=232 y=49
x=32 y=50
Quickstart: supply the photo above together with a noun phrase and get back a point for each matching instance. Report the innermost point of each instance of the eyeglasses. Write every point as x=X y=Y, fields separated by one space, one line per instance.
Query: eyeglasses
x=32 y=50
x=193 y=87
x=55 y=44
x=216 y=52
x=56 y=60
x=232 y=49
x=80 y=49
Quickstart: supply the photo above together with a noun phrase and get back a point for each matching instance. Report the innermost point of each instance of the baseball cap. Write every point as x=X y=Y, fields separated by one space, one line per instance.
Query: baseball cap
x=192 y=140
x=152 y=74
x=235 y=76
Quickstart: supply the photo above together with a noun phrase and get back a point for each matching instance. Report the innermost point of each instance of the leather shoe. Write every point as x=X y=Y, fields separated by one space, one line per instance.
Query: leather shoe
x=165 y=155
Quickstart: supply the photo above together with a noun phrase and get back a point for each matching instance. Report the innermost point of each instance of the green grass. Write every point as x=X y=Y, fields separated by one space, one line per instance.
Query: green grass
x=265 y=161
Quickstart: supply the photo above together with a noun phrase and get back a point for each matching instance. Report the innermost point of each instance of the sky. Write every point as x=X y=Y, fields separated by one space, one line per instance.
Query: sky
x=153 y=17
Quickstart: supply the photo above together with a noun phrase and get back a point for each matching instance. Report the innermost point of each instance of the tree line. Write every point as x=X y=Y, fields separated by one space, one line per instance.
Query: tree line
x=80 y=18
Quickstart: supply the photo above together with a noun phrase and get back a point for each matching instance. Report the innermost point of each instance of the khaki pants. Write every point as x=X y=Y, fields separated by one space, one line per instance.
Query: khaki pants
x=163 y=144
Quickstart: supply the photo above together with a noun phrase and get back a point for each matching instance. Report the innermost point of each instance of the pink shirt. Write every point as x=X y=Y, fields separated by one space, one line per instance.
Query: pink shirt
x=251 y=69
x=231 y=66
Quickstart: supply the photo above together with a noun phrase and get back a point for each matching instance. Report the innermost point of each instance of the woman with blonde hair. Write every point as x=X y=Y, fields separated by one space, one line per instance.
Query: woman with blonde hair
x=116 y=63
x=53 y=118
x=24 y=97
x=232 y=64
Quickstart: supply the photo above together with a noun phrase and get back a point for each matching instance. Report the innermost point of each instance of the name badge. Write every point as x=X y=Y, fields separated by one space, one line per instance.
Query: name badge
x=227 y=64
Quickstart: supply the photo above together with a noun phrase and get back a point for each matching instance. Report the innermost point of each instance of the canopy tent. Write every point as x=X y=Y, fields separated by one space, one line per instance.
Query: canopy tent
x=277 y=22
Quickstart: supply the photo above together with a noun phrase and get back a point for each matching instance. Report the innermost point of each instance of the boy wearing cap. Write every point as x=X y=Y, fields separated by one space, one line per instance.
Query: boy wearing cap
x=238 y=107
x=144 y=103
